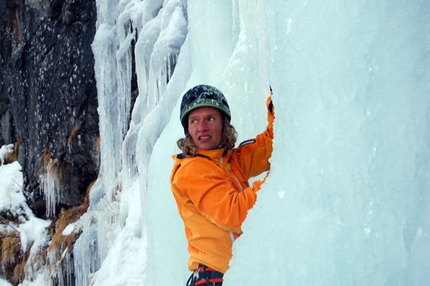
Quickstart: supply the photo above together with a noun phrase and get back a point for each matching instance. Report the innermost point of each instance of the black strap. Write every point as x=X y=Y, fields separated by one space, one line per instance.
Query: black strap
x=190 y=281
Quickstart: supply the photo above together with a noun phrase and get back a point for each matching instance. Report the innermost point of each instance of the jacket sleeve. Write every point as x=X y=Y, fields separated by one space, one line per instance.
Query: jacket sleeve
x=213 y=195
x=254 y=154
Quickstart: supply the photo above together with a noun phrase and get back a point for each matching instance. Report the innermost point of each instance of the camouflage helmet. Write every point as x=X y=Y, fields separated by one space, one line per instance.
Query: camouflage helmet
x=203 y=96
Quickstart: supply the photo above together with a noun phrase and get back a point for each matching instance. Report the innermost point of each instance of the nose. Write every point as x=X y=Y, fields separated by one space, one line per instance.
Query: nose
x=203 y=126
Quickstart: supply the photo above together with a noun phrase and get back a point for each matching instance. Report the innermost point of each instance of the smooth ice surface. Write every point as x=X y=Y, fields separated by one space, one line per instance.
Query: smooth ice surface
x=347 y=200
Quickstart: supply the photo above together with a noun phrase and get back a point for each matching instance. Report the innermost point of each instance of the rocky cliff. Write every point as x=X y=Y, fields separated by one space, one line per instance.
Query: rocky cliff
x=48 y=97
x=48 y=109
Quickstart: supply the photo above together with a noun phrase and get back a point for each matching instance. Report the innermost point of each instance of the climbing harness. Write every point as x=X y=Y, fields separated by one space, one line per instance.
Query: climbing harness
x=205 y=276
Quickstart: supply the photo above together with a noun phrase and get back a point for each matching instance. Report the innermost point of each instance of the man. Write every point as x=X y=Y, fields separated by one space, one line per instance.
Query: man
x=209 y=180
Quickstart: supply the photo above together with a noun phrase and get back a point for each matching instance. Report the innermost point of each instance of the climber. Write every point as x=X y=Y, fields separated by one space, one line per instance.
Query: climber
x=209 y=180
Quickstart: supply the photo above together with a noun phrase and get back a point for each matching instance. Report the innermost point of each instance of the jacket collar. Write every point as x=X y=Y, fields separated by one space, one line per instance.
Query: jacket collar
x=213 y=154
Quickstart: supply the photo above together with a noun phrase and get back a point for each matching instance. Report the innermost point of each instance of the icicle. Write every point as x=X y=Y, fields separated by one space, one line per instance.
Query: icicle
x=86 y=258
x=51 y=180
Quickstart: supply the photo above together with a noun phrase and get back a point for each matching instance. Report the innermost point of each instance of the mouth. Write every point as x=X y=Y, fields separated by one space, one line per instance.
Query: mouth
x=206 y=137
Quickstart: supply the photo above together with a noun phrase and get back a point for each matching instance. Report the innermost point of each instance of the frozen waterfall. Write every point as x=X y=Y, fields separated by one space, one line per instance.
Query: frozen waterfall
x=347 y=201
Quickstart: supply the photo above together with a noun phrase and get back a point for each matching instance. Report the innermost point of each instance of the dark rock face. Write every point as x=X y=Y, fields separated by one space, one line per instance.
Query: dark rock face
x=48 y=92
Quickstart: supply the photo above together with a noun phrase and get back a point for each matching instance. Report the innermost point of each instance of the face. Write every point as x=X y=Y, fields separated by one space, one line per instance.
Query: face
x=205 y=127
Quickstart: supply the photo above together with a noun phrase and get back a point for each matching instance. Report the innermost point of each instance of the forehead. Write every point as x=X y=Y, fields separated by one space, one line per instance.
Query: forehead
x=203 y=111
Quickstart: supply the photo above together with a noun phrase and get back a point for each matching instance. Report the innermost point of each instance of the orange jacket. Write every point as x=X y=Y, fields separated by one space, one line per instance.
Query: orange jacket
x=213 y=196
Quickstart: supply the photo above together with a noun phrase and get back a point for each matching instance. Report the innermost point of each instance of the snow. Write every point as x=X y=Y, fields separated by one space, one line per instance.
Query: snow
x=4 y=150
x=69 y=229
x=4 y=283
x=11 y=196
x=347 y=199
x=32 y=230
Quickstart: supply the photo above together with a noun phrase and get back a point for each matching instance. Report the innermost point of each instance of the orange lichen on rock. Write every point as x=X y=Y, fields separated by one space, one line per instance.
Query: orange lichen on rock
x=61 y=245
x=73 y=133
x=11 y=256
x=12 y=157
